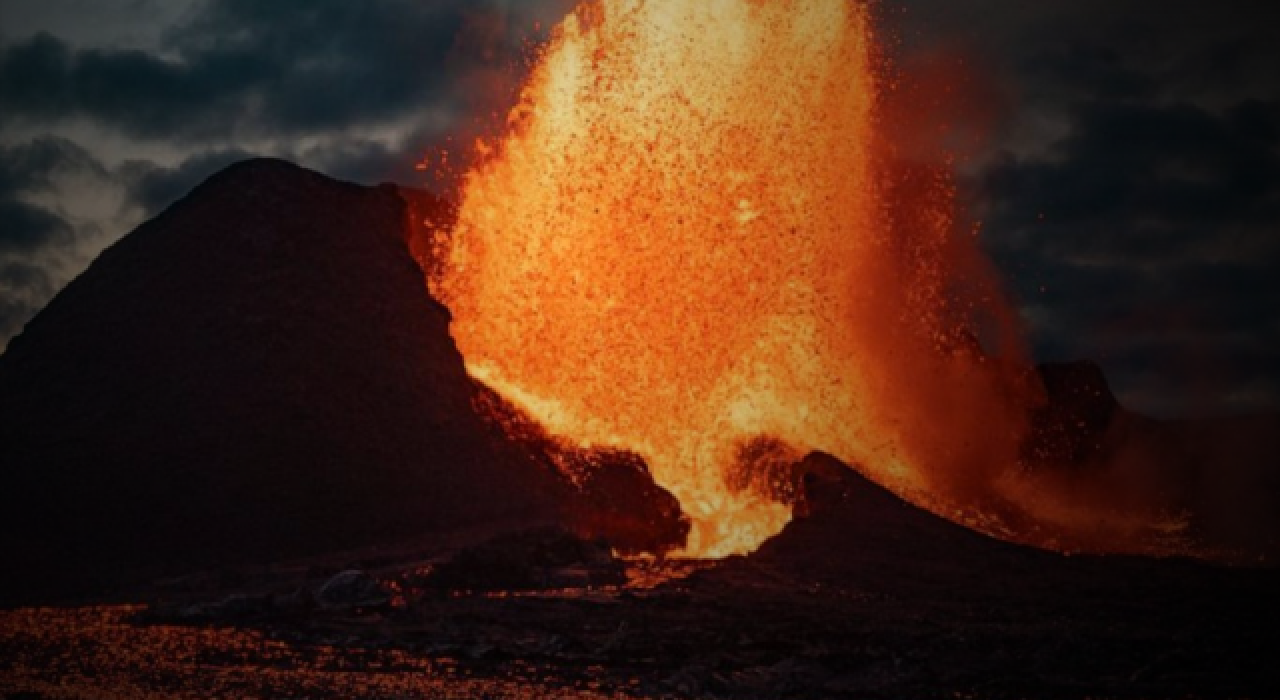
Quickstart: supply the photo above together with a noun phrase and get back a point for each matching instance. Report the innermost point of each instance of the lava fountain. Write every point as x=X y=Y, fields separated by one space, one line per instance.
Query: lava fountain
x=696 y=233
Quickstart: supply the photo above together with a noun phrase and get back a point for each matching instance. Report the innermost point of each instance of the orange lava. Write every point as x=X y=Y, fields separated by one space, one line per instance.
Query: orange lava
x=698 y=231
x=683 y=244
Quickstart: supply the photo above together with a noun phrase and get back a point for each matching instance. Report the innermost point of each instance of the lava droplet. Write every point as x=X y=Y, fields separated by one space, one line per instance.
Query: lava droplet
x=699 y=232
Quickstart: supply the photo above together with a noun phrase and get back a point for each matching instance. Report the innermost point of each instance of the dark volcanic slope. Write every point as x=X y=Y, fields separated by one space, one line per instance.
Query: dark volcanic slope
x=1224 y=471
x=900 y=603
x=864 y=597
x=858 y=531
x=257 y=373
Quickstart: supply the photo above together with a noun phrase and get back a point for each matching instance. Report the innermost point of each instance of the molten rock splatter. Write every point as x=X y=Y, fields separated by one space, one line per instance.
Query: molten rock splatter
x=697 y=233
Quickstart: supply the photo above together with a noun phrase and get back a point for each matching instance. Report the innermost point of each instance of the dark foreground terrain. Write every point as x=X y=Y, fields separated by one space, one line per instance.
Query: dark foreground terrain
x=868 y=597
x=259 y=374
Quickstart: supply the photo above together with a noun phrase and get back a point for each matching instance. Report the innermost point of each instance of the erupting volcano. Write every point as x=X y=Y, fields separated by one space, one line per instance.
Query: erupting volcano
x=713 y=291
x=697 y=233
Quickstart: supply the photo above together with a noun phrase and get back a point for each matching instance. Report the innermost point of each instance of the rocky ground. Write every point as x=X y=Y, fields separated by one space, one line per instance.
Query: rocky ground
x=866 y=597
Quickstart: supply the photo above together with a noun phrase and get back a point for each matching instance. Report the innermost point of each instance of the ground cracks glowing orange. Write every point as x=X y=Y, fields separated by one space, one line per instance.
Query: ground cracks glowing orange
x=685 y=242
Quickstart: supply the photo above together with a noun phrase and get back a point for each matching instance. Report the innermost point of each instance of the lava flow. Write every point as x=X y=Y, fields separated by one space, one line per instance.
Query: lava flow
x=685 y=242
x=718 y=226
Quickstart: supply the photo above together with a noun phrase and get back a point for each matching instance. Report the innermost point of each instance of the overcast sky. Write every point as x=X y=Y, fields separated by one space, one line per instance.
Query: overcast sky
x=1124 y=155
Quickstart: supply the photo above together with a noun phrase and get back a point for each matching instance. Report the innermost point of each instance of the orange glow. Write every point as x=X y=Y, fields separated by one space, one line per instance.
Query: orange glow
x=696 y=233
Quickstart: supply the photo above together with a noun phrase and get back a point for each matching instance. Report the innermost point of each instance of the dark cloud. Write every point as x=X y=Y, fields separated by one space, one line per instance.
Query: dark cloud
x=26 y=276
x=27 y=228
x=366 y=161
x=30 y=169
x=1084 y=67
x=34 y=238
x=1141 y=184
x=26 y=288
x=242 y=68
x=33 y=76
x=1149 y=237
x=1130 y=188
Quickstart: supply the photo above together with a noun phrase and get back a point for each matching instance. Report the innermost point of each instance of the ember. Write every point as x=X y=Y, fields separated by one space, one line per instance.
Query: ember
x=685 y=244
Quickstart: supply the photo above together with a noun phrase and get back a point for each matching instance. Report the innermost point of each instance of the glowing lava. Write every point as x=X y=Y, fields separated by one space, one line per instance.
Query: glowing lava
x=686 y=241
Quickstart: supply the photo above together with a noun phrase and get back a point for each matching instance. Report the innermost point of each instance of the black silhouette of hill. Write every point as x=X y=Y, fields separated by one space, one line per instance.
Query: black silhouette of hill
x=258 y=373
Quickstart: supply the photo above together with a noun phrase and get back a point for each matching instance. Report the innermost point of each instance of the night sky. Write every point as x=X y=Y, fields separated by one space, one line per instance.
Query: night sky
x=1123 y=156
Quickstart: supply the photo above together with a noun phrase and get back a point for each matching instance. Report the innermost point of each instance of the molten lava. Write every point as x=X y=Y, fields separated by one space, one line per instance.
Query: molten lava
x=683 y=245
x=697 y=234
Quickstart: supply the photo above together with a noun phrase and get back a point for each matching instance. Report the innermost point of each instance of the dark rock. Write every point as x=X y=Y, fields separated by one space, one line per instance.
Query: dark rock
x=853 y=529
x=353 y=590
x=615 y=497
x=621 y=503
x=237 y=607
x=767 y=466
x=824 y=485
x=545 y=558
x=300 y=601
x=1219 y=472
x=257 y=374
x=1071 y=427
x=241 y=606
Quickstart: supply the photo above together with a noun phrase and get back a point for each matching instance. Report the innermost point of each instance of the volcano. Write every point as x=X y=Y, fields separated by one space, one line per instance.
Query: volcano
x=260 y=375
x=257 y=374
